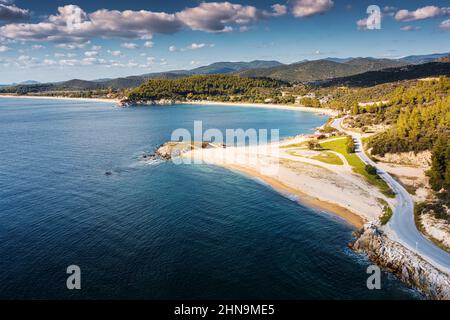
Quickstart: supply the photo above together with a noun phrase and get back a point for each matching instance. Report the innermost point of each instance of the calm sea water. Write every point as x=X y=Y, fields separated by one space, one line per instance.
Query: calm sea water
x=158 y=231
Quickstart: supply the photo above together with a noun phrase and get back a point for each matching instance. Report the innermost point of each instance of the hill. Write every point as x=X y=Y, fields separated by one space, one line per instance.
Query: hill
x=230 y=67
x=206 y=87
x=371 y=78
x=136 y=81
x=426 y=58
x=311 y=71
x=444 y=59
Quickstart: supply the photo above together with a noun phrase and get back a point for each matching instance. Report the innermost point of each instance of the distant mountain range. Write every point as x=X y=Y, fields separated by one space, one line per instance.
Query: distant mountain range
x=230 y=67
x=28 y=82
x=354 y=70
x=409 y=72
x=419 y=59
x=444 y=59
x=322 y=69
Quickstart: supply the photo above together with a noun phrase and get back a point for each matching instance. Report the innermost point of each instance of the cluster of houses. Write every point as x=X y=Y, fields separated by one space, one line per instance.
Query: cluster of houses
x=309 y=95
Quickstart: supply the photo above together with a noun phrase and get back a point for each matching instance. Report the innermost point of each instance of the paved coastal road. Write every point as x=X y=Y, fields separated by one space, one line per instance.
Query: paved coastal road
x=402 y=227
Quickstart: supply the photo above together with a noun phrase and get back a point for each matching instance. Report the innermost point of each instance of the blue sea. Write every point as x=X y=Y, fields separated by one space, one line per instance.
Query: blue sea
x=156 y=230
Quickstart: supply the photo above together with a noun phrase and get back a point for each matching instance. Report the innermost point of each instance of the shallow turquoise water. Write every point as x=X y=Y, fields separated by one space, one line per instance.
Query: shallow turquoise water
x=158 y=231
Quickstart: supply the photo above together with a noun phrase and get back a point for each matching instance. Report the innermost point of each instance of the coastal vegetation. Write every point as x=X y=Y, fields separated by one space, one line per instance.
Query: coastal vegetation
x=387 y=212
x=401 y=115
x=419 y=119
x=329 y=158
x=209 y=87
x=340 y=145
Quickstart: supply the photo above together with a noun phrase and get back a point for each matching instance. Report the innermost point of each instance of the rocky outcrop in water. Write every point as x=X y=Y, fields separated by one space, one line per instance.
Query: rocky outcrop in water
x=405 y=264
x=173 y=149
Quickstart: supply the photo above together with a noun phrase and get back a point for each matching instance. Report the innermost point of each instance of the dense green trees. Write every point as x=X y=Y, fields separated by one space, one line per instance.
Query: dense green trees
x=440 y=165
x=371 y=169
x=420 y=120
x=209 y=87
x=310 y=102
x=417 y=128
x=350 y=145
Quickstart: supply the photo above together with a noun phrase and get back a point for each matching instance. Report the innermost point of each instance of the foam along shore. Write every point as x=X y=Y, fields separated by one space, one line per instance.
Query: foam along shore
x=333 y=188
x=325 y=111
x=115 y=101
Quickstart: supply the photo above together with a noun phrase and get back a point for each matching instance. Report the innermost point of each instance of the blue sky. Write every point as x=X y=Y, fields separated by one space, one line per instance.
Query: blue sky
x=120 y=38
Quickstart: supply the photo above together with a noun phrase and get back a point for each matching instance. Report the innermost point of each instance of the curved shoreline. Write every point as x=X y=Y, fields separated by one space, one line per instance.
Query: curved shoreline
x=116 y=101
x=325 y=111
x=351 y=217
x=303 y=198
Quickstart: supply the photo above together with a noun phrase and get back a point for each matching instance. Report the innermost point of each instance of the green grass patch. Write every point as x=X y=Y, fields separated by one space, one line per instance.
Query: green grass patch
x=340 y=146
x=387 y=212
x=329 y=157
x=295 y=145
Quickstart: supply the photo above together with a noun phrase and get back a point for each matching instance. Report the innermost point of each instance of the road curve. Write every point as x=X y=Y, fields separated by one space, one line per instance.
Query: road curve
x=402 y=227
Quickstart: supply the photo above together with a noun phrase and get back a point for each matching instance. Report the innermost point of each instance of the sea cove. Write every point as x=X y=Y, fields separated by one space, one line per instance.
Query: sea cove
x=154 y=230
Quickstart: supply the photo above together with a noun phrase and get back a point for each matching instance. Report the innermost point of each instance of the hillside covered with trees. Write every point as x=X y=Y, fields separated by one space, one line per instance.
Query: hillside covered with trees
x=208 y=87
x=418 y=118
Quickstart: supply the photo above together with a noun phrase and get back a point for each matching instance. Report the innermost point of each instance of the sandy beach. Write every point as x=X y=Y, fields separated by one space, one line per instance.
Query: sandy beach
x=333 y=188
x=329 y=112
x=347 y=194
x=303 y=198
x=324 y=111
x=115 y=101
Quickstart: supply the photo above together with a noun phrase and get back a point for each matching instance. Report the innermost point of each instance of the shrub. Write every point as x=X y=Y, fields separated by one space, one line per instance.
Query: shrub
x=371 y=169
x=350 y=145
x=314 y=145
x=387 y=213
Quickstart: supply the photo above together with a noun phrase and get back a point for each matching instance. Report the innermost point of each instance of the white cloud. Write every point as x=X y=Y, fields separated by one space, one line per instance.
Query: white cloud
x=91 y=53
x=49 y=62
x=410 y=28
x=96 y=48
x=389 y=10
x=279 y=10
x=10 y=12
x=244 y=28
x=72 y=46
x=37 y=47
x=306 y=8
x=4 y=48
x=115 y=53
x=208 y=17
x=196 y=46
x=220 y=16
x=445 y=25
x=148 y=44
x=421 y=13
x=129 y=45
x=362 y=24
x=192 y=46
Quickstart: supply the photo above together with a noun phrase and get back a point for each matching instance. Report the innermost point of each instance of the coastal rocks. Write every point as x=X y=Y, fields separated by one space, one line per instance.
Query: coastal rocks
x=174 y=149
x=406 y=265
x=161 y=102
x=438 y=229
